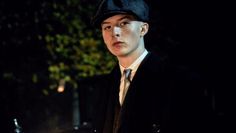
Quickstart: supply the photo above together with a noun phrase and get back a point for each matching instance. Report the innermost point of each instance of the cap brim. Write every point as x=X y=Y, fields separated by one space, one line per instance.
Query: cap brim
x=97 y=20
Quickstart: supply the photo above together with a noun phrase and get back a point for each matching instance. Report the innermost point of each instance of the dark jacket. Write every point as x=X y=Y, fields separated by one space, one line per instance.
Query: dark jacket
x=162 y=98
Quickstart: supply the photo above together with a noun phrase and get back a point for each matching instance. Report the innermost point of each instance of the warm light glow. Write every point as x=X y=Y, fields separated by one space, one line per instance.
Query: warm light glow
x=61 y=87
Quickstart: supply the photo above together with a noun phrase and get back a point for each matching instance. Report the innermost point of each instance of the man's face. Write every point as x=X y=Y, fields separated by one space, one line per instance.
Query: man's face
x=123 y=35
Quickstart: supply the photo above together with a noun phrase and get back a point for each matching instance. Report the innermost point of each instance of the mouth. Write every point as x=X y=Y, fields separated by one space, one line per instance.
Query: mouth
x=118 y=43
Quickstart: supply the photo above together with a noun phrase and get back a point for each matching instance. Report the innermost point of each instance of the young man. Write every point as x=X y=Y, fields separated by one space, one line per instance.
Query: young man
x=143 y=94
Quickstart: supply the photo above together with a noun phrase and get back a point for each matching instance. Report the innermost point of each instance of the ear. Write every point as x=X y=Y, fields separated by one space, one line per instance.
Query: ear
x=144 y=28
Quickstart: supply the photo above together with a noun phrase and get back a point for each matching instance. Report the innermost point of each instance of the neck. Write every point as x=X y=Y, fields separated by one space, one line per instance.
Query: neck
x=126 y=61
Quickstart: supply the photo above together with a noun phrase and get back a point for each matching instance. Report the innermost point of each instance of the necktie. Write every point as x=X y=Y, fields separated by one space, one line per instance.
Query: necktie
x=127 y=80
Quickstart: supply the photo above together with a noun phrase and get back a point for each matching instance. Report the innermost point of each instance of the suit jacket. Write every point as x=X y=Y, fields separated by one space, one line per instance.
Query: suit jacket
x=162 y=98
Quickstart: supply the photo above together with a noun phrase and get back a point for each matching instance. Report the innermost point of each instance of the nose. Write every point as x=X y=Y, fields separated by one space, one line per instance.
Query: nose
x=116 y=31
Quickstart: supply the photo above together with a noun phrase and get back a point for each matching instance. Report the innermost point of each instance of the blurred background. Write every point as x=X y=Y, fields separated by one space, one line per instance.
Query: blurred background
x=52 y=59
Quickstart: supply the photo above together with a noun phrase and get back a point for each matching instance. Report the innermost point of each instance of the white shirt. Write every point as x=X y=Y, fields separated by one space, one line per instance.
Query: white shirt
x=134 y=66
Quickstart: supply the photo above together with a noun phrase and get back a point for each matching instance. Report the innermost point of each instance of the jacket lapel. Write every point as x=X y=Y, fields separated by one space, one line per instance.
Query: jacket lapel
x=113 y=99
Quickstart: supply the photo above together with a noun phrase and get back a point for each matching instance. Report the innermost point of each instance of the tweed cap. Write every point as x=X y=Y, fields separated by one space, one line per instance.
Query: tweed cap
x=108 y=8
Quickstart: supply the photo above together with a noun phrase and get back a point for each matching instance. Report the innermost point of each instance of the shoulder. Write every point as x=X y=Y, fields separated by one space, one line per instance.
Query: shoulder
x=153 y=61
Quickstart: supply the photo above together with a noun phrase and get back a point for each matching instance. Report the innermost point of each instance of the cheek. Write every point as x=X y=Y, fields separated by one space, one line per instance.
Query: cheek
x=106 y=40
x=134 y=35
x=134 y=31
x=105 y=37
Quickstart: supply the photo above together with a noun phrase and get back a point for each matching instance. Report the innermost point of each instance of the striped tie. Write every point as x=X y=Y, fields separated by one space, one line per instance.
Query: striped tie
x=127 y=80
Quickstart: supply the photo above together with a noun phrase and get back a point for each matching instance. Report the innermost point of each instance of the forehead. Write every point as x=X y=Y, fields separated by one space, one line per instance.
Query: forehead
x=118 y=17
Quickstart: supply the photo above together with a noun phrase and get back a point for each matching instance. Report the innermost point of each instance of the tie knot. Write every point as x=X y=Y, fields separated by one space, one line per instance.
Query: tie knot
x=127 y=73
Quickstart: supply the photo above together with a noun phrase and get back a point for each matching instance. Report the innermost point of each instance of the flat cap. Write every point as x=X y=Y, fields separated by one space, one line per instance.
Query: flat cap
x=108 y=8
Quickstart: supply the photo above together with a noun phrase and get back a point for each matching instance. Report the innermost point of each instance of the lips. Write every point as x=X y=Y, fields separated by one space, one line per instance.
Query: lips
x=118 y=43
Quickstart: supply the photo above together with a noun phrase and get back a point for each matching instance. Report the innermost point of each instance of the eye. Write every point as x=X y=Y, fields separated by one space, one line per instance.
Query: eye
x=106 y=27
x=124 y=23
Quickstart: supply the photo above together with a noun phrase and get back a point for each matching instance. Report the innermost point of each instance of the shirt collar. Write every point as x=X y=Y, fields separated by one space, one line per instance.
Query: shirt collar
x=134 y=66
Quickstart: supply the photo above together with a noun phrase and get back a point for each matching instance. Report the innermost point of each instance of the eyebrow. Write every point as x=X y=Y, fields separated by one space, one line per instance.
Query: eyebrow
x=125 y=17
